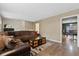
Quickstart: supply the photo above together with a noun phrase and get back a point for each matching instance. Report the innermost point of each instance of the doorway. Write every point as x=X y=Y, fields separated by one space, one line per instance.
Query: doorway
x=69 y=31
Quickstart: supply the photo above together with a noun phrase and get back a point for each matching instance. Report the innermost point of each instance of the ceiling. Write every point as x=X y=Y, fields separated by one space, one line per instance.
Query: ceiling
x=35 y=11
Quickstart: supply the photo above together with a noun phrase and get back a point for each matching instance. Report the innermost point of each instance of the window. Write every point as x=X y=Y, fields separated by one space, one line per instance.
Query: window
x=37 y=27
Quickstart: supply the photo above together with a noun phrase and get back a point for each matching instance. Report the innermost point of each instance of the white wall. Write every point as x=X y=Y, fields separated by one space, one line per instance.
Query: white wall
x=18 y=25
x=29 y=26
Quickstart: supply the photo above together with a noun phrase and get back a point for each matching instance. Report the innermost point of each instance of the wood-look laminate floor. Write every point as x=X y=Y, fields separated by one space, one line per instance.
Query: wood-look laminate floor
x=67 y=48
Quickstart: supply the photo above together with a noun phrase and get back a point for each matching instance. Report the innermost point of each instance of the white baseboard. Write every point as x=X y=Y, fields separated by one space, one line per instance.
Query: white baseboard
x=55 y=41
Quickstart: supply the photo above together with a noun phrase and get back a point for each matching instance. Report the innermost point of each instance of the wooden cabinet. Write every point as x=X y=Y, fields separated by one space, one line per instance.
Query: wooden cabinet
x=37 y=42
x=43 y=40
x=34 y=43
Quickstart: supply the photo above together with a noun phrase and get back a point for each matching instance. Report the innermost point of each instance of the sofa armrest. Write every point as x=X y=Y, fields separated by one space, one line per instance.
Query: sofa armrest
x=21 y=51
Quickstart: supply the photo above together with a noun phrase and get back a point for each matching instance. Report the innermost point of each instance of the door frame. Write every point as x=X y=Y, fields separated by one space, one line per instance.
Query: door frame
x=77 y=15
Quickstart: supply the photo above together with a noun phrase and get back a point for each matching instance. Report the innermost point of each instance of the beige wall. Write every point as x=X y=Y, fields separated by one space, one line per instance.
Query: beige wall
x=29 y=26
x=18 y=24
x=50 y=27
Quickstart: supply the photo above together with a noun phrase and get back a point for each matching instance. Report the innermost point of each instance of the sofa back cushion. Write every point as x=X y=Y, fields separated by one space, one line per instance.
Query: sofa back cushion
x=20 y=33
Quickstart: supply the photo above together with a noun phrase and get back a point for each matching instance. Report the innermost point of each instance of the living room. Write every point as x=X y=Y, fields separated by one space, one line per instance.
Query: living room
x=36 y=29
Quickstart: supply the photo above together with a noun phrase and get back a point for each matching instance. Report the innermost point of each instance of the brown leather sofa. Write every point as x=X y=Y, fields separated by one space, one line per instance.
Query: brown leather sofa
x=23 y=35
